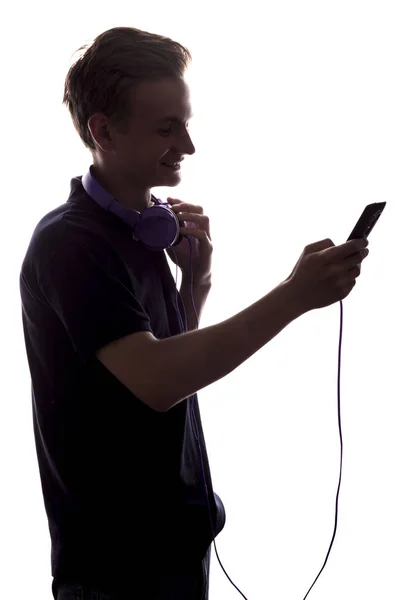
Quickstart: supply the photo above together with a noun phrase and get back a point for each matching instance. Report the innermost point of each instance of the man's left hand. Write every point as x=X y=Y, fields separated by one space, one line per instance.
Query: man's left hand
x=197 y=225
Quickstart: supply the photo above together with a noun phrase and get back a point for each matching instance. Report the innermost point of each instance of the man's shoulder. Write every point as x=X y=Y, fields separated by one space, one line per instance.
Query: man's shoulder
x=58 y=235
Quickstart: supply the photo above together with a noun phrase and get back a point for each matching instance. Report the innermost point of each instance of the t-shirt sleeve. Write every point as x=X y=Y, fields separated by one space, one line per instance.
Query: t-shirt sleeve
x=89 y=290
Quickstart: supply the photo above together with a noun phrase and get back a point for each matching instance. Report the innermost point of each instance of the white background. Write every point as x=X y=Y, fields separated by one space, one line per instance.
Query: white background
x=297 y=128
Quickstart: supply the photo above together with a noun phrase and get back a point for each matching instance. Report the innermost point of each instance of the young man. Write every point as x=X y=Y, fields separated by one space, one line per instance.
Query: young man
x=123 y=463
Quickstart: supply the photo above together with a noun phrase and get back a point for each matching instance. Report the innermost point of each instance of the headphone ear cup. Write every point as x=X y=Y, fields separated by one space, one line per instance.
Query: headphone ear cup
x=158 y=228
x=178 y=241
x=180 y=238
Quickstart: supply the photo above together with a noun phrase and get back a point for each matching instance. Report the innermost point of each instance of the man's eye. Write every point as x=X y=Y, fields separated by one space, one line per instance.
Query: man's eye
x=166 y=131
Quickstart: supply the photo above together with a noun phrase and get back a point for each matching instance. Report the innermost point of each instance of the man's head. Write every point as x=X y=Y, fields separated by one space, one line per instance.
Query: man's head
x=131 y=106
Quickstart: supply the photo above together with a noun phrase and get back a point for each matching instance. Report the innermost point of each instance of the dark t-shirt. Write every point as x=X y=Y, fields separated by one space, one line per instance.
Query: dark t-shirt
x=123 y=484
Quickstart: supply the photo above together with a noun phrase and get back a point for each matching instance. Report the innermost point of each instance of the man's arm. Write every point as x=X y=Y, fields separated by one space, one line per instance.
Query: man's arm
x=200 y=295
x=162 y=373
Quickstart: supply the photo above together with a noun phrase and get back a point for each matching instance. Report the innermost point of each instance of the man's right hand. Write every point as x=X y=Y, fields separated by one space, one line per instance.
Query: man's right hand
x=325 y=273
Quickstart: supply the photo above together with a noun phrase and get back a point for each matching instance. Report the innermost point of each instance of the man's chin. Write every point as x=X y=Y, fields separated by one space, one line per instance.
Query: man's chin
x=169 y=181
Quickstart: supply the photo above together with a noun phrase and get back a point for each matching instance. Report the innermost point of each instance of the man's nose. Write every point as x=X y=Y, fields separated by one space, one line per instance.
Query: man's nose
x=188 y=145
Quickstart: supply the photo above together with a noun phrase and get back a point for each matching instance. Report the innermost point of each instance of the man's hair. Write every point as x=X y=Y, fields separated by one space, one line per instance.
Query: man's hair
x=119 y=59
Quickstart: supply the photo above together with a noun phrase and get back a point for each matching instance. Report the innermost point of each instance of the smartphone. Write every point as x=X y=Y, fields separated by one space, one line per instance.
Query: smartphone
x=367 y=221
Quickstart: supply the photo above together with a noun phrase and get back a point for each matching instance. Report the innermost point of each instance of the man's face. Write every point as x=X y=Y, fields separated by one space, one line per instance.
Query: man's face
x=158 y=134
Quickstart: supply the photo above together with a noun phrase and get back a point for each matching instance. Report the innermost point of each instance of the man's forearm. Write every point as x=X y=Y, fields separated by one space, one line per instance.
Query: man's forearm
x=200 y=295
x=189 y=362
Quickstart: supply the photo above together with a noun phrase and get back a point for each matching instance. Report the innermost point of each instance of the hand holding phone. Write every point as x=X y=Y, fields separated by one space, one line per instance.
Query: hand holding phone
x=326 y=273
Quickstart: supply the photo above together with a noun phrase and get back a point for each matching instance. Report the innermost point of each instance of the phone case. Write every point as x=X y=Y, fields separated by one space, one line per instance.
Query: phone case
x=367 y=221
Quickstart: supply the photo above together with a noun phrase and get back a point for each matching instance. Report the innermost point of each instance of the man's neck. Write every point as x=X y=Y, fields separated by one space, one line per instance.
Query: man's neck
x=122 y=191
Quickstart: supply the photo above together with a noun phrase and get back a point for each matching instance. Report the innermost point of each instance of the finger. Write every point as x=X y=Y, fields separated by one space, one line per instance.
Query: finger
x=185 y=206
x=196 y=217
x=174 y=201
x=202 y=221
x=347 y=249
x=200 y=234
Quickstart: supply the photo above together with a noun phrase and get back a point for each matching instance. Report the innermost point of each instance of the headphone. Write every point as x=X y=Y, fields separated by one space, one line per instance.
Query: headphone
x=157 y=228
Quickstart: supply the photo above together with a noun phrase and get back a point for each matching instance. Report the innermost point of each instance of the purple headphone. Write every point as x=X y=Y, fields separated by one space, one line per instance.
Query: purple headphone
x=157 y=227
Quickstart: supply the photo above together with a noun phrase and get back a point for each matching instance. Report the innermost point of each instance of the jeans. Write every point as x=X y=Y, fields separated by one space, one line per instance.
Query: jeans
x=192 y=585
